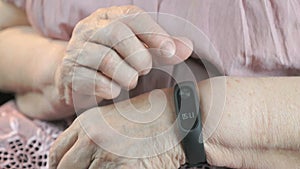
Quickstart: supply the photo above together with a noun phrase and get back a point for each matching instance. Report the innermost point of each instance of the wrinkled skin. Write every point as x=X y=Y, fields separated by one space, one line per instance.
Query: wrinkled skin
x=85 y=66
x=251 y=130
x=111 y=48
x=83 y=141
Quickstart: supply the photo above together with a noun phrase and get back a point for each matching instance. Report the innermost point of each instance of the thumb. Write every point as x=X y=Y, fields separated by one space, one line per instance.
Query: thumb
x=184 y=48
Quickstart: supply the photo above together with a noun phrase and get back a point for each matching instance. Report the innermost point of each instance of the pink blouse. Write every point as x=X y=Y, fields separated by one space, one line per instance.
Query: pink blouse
x=252 y=37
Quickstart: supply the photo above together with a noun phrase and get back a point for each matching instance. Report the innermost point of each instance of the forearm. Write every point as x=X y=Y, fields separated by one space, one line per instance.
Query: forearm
x=28 y=60
x=259 y=126
x=252 y=123
x=11 y=16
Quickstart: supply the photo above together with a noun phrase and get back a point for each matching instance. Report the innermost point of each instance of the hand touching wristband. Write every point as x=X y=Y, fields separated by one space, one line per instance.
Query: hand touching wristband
x=189 y=123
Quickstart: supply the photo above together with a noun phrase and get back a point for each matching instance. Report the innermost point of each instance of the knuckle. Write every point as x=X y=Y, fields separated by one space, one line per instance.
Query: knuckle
x=141 y=60
x=84 y=29
x=106 y=89
x=112 y=33
x=117 y=32
x=100 y=13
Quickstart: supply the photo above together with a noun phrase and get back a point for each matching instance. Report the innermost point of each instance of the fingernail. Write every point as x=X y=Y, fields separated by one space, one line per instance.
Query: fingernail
x=168 y=49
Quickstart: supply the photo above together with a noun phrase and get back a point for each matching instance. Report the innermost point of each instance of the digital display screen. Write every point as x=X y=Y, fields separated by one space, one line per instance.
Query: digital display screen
x=188 y=111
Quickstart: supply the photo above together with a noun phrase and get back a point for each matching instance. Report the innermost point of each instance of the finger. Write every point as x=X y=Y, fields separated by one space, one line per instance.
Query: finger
x=150 y=32
x=120 y=37
x=79 y=156
x=90 y=82
x=62 y=144
x=145 y=27
x=184 y=49
x=106 y=60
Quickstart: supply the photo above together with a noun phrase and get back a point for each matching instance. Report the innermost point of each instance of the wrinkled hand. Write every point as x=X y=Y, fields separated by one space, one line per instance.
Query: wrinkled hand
x=89 y=143
x=111 y=48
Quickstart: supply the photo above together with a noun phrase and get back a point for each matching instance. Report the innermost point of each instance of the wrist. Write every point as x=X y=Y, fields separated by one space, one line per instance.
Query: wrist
x=211 y=94
x=124 y=126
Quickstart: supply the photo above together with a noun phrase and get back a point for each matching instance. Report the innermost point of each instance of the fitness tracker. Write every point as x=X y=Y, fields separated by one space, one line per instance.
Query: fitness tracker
x=189 y=123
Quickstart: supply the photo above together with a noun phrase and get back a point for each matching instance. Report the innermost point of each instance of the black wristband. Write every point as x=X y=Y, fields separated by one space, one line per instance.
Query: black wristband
x=189 y=123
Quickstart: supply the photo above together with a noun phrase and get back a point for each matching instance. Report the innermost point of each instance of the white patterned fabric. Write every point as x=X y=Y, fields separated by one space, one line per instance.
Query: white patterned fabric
x=25 y=143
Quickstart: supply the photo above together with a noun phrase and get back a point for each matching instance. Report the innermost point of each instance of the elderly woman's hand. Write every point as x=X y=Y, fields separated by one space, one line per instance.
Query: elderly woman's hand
x=111 y=48
x=103 y=138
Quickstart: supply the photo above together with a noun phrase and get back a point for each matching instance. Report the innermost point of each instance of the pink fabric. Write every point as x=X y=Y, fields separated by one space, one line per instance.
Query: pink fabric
x=253 y=37
x=24 y=143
